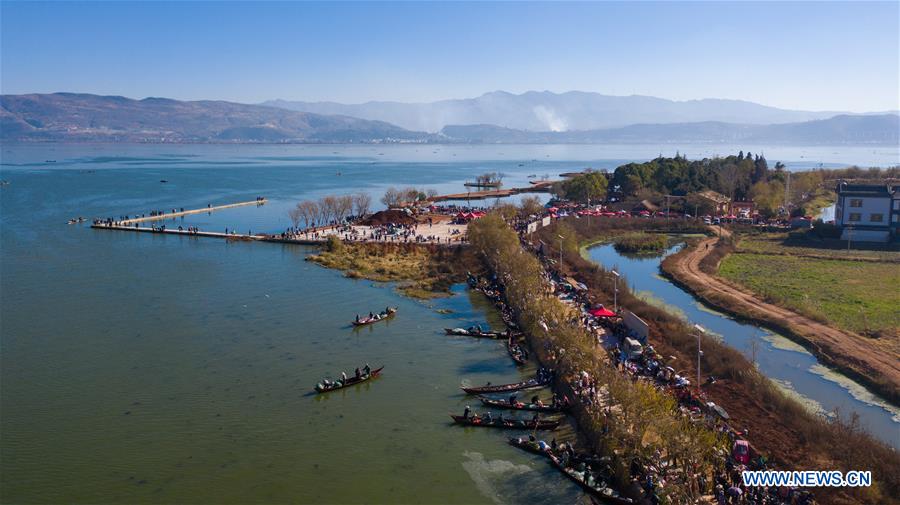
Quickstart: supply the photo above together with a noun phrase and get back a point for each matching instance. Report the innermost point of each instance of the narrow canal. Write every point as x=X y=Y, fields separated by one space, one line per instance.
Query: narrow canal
x=788 y=364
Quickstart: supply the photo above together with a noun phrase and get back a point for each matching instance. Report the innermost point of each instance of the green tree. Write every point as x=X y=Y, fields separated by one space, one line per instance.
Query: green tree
x=591 y=186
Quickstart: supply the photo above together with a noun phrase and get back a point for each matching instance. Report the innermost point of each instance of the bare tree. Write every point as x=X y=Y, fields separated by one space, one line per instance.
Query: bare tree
x=361 y=204
x=328 y=208
x=410 y=195
x=310 y=212
x=343 y=207
x=295 y=214
x=431 y=193
x=391 y=197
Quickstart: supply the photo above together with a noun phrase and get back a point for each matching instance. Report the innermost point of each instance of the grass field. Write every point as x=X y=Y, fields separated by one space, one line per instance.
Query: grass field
x=778 y=243
x=858 y=296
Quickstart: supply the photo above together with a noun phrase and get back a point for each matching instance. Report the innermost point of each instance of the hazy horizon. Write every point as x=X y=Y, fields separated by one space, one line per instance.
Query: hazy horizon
x=834 y=56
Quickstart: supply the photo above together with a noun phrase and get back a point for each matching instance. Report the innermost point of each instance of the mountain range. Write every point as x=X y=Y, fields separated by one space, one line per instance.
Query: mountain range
x=71 y=117
x=546 y=111
x=83 y=117
x=841 y=129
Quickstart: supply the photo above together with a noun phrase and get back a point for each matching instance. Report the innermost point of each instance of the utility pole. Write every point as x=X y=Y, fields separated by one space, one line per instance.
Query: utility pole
x=787 y=192
x=700 y=331
x=560 y=253
x=615 y=291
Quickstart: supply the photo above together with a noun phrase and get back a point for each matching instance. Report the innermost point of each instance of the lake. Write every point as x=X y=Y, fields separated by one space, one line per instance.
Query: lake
x=145 y=369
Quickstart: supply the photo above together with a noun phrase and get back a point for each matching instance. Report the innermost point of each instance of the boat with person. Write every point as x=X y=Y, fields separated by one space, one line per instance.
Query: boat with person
x=363 y=375
x=590 y=481
x=510 y=424
x=474 y=331
x=374 y=318
x=517 y=405
x=533 y=383
x=516 y=351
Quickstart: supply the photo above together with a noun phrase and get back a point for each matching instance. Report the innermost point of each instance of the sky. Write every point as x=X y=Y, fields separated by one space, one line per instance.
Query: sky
x=810 y=56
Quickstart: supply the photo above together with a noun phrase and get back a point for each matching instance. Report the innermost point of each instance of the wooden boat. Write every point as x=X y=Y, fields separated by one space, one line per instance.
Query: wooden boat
x=377 y=317
x=597 y=488
x=351 y=381
x=504 y=404
x=509 y=424
x=473 y=333
x=500 y=388
x=527 y=445
x=516 y=352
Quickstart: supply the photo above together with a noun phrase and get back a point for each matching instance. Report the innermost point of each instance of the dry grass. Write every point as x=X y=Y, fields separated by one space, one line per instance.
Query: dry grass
x=422 y=271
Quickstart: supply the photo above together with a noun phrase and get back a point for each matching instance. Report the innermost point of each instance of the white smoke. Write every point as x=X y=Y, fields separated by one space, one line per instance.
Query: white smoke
x=548 y=117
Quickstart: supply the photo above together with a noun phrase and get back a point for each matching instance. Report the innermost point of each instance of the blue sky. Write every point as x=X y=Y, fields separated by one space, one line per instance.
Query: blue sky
x=816 y=56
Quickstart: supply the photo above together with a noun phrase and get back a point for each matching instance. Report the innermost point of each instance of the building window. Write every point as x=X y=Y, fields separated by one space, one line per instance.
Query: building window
x=876 y=218
x=896 y=204
x=896 y=218
x=854 y=216
x=855 y=202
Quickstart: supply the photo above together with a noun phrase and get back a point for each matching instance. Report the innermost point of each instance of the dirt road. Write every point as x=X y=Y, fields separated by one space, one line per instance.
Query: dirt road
x=856 y=356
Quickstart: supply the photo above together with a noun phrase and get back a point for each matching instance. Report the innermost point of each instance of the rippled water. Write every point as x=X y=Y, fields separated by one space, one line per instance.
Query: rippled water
x=161 y=369
x=788 y=364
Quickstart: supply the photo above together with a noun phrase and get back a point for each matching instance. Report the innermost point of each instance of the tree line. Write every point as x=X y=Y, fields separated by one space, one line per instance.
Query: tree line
x=394 y=197
x=329 y=209
x=640 y=420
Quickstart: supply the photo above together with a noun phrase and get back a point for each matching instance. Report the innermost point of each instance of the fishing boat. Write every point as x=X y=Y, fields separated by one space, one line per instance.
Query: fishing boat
x=528 y=445
x=516 y=352
x=510 y=424
x=324 y=387
x=591 y=483
x=503 y=404
x=473 y=332
x=390 y=311
x=500 y=388
x=494 y=184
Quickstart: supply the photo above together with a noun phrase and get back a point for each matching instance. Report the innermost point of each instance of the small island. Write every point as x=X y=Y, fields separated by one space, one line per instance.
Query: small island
x=487 y=180
x=641 y=243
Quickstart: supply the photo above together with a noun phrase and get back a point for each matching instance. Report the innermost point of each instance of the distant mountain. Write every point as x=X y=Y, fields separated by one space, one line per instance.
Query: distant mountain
x=82 y=117
x=69 y=117
x=546 y=111
x=842 y=129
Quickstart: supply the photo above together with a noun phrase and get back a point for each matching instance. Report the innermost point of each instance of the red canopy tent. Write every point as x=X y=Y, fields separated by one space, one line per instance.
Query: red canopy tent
x=602 y=312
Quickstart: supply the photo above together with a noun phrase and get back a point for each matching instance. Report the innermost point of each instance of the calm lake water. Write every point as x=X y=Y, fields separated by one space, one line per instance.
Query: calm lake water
x=788 y=364
x=159 y=369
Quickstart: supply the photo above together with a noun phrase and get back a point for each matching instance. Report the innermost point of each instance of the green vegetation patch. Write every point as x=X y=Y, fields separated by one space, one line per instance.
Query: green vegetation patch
x=641 y=243
x=853 y=295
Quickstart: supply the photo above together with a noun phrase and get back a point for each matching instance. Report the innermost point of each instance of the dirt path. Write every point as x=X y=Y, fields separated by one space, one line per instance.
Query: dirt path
x=852 y=354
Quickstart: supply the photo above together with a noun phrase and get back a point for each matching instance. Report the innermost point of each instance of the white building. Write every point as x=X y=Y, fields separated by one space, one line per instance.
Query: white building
x=867 y=213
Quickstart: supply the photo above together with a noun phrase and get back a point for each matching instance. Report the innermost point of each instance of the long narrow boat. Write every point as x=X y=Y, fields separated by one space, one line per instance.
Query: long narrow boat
x=501 y=388
x=597 y=488
x=503 y=404
x=516 y=352
x=529 y=446
x=377 y=317
x=464 y=332
x=509 y=424
x=351 y=381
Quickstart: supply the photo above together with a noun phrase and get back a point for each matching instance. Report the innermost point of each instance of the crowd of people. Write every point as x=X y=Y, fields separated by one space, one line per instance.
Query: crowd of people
x=727 y=486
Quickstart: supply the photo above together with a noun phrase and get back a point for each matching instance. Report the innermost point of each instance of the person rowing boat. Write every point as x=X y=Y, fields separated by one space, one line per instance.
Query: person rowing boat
x=329 y=385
